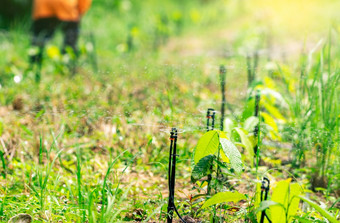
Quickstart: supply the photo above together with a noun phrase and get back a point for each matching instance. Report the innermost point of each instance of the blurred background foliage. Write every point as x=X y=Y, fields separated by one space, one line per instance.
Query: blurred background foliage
x=12 y=11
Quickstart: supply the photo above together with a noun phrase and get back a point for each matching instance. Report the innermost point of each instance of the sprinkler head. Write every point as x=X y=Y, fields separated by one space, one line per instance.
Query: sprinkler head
x=173 y=134
x=222 y=69
x=265 y=184
x=258 y=94
x=210 y=110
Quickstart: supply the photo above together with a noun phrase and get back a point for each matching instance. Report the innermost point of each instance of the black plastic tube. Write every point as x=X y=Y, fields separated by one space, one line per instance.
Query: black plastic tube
x=172 y=177
x=256 y=114
x=264 y=196
x=210 y=115
x=223 y=72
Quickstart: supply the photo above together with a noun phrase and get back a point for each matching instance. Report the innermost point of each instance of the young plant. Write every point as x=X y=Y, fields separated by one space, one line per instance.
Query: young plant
x=283 y=204
x=215 y=152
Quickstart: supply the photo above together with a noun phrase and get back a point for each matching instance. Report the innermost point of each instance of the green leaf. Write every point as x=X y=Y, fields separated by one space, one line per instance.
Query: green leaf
x=266 y=204
x=302 y=220
x=228 y=126
x=247 y=144
x=232 y=153
x=280 y=195
x=294 y=201
x=258 y=198
x=322 y=211
x=273 y=111
x=1 y=128
x=250 y=123
x=224 y=197
x=269 y=120
x=202 y=168
x=249 y=109
x=207 y=145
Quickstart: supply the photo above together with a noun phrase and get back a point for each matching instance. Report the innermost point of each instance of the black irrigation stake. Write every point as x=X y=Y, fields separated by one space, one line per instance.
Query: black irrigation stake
x=252 y=67
x=264 y=196
x=210 y=115
x=257 y=127
x=172 y=177
x=223 y=72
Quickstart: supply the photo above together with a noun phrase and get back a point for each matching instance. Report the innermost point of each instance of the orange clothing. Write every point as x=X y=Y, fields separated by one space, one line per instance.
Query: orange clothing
x=65 y=10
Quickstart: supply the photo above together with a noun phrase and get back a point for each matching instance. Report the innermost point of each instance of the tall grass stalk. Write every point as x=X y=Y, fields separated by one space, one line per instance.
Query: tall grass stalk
x=315 y=109
x=108 y=214
x=104 y=199
x=2 y=157
x=79 y=183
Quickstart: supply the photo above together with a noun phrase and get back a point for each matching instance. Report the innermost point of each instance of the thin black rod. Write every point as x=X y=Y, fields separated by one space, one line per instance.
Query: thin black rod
x=210 y=115
x=223 y=72
x=249 y=71
x=208 y=119
x=256 y=63
x=264 y=189
x=213 y=120
x=257 y=127
x=170 y=177
x=180 y=217
x=173 y=168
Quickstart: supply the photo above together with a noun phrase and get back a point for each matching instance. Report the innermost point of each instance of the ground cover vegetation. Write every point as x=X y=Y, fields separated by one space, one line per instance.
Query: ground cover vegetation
x=94 y=146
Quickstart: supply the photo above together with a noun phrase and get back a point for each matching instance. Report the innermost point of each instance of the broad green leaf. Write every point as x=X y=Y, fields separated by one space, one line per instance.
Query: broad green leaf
x=273 y=111
x=249 y=109
x=266 y=204
x=269 y=82
x=224 y=197
x=232 y=153
x=258 y=199
x=224 y=157
x=247 y=144
x=269 y=120
x=250 y=123
x=278 y=97
x=294 y=191
x=322 y=211
x=280 y=195
x=1 y=127
x=228 y=126
x=207 y=145
x=202 y=168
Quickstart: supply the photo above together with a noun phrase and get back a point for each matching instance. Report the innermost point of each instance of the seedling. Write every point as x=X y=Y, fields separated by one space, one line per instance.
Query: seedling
x=172 y=177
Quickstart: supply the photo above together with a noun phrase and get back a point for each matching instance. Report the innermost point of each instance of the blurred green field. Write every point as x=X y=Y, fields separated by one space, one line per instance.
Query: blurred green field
x=93 y=147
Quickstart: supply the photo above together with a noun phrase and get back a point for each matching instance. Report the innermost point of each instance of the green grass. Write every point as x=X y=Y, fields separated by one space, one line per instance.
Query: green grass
x=94 y=147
